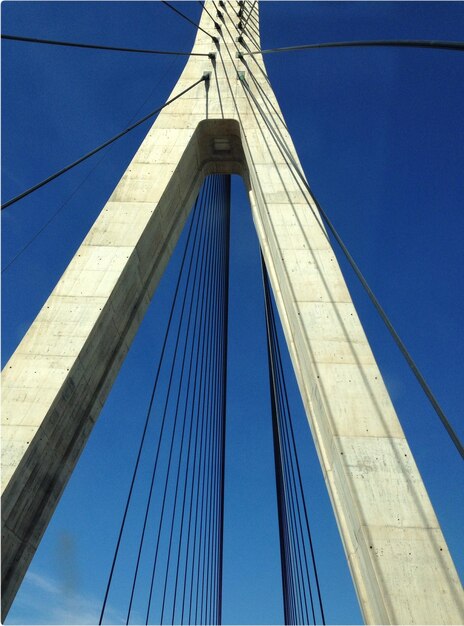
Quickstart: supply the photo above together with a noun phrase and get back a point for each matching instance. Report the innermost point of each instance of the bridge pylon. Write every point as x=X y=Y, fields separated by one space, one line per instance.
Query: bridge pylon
x=55 y=384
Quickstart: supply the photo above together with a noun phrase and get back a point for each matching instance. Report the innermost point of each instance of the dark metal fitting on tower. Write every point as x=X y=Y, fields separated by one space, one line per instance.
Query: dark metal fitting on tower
x=240 y=26
x=216 y=40
x=220 y=15
x=240 y=40
x=206 y=76
x=222 y=3
x=241 y=3
x=212 y=56
x=217 y=26
x=239 y=55
x=241 y=75
x=240 y=12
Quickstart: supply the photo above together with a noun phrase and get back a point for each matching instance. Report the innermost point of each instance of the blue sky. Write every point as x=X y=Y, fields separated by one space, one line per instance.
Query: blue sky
x=379 y=133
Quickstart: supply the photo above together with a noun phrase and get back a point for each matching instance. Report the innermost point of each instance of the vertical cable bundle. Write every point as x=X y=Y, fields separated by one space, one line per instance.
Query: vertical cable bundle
x=298 y=561
x=173 y=557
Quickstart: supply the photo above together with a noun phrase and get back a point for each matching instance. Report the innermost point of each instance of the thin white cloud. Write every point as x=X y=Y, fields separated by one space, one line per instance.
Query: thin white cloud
x=43 y=601
x=41 y=582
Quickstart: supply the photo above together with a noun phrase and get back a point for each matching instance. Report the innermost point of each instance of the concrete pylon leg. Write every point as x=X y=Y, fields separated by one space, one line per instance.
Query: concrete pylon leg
x=57 y=380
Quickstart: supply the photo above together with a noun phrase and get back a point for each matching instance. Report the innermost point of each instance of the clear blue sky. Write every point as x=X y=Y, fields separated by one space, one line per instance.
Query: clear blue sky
x=380 y=135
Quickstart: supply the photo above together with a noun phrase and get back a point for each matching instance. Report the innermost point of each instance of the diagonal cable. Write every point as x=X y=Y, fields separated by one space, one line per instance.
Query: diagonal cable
x=285 y=451
x=170 y=383
x=250 y=13
x=457 y=46
x=417 y=373
x=199 y=218
x=185 y=17
x=103 y=145
x=147 y=419
x=92 y=46
x=77 y=188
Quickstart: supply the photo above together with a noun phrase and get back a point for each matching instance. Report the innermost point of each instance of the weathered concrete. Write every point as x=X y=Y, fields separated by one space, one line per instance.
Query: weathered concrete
x=58 y=378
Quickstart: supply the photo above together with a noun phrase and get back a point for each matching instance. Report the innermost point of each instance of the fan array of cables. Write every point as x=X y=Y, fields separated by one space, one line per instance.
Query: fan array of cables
x=300 y=582
x=172 y=562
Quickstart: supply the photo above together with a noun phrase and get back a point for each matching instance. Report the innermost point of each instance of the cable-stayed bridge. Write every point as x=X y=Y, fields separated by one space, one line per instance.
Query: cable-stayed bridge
x=222 y=118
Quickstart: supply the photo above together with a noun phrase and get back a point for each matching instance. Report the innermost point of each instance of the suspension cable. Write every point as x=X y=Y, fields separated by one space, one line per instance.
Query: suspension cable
x=194 y=350
x=187 y=468
x=279 y=487
x=185 y=472
x=100 y=147
x=209 y=407
x=285 y=530
x=419 y=377
x=171 y=447
x=185 y=17
x=397 y=43
x=250 y=27
x=91 y=46
x=203 y=5
x=196 y=403
x=222 y=407
x=205 y=468
x=199 y=219
x=291 y=443
x=290 y=500
x=250 y=13
x=63 y=205
x=182 y=438
x=147 y=419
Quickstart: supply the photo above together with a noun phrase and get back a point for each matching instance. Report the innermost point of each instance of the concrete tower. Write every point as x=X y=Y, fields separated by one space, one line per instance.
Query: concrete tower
x=57 y=380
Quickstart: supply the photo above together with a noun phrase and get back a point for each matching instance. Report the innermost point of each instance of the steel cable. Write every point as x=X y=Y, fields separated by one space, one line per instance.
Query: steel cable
x=457 y=46
x=199 y=222
x=100 y=147
x=185 y=17
x=171 y=448
x=79 y=185
x=191 y=407
x=297 y=171
x=91 y=46
x=187 y=462
x=289 y=492
x=145 y=427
